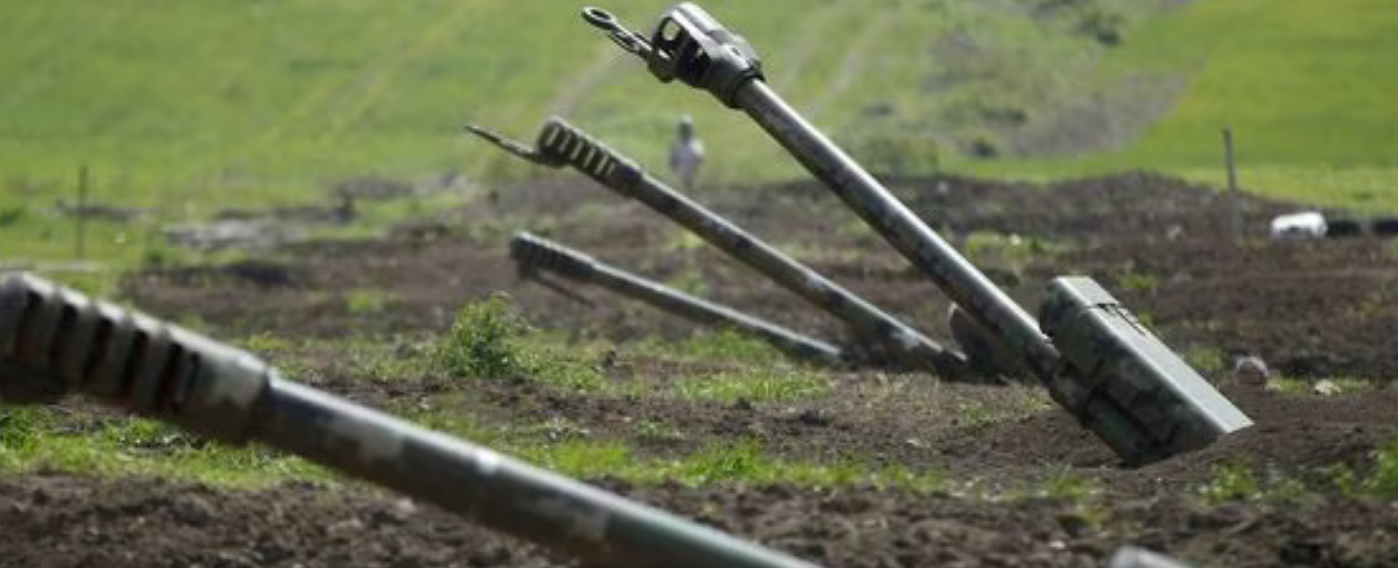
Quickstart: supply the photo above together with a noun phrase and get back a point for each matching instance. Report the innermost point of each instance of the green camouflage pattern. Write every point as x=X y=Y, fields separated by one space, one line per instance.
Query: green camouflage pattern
x=533 y=253
x=54 y=340
x=877 y=338
x=691 y=45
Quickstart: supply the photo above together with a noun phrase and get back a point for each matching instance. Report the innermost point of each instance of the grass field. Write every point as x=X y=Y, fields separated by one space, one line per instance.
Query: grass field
x=188 y=109
x=264 y=102
x=1305 y=86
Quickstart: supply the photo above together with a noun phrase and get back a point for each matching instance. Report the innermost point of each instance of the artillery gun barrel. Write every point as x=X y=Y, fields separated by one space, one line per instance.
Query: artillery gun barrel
x=535 y=253
x=1102 y=365
x=957 y=277
x=560 y=143
x=54 y=341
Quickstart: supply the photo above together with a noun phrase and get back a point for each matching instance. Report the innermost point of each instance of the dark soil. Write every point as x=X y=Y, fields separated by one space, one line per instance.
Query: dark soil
x=74 y=521
x=1312 y=309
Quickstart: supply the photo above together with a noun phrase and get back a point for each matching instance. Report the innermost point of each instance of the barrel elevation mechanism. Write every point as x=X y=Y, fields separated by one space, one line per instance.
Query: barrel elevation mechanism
x=1096 y=360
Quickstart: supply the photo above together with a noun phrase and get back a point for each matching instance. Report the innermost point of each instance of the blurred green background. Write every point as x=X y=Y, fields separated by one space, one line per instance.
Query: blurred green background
x=187 y=108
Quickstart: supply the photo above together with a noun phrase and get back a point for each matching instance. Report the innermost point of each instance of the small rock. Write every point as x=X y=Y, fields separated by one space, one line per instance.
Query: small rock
x=1326 y=387
x=194 y=511
x=346 y=526
x=813 y=417
x=40 y=497
x=1174 y=232
x=396 y=514
x=269 y=551
x=404 y=508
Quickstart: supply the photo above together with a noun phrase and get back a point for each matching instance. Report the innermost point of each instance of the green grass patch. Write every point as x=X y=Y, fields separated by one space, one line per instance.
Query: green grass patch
x=1135 y=281
x=1299 y=82
x=1065 y=485
x=718 y=345
x=367 y=302
x=740 y=462
x=1236 y=481
x=751 y=386
x=1012 y=251
x=1206 y=359
x=492 y=340
x=690 y=281
x=1384 y=480
x=1016 y=403
x=485 y=340
x=184 y=108
x=1299 y=386
x=38 y=438
x=562 y=446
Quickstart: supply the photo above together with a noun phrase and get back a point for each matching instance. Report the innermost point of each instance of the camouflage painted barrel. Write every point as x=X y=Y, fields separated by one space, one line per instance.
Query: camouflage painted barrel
x=1157 y=405
x=535 y=253
x=55 y=340
x=880 y=338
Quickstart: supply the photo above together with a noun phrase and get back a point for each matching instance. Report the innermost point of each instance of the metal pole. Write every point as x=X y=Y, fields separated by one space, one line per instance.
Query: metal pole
x=56 y=340
x=1235 y=213
x=534 y=253
x=81 y=211
x=883 y=212
x=492 y=489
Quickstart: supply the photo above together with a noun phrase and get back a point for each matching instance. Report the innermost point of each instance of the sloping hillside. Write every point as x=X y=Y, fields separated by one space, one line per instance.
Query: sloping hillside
x=190 y=109
x=1308 y=88
x=263 y=101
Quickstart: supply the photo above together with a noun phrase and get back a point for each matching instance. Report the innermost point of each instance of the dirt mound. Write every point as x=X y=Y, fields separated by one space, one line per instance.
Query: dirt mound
x=1298 y=437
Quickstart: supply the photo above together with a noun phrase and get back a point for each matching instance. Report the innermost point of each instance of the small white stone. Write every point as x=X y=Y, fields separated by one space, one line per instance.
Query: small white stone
x=1326 y=387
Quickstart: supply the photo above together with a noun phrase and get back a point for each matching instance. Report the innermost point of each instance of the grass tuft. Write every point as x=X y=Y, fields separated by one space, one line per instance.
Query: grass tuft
x=484 y=341
x=751 y=386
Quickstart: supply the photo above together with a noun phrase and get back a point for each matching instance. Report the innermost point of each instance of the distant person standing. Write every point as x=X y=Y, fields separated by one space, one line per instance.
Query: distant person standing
x=686 y=154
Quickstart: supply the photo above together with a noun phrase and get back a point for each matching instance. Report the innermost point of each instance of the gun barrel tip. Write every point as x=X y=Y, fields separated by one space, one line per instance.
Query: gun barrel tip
x=484 y=132
x=598 y=16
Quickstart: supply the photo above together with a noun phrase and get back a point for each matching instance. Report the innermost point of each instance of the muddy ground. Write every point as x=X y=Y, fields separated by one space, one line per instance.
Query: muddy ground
x=1312 y=309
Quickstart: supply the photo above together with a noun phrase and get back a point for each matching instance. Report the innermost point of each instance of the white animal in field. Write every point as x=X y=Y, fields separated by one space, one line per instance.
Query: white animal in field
x=686 y=154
